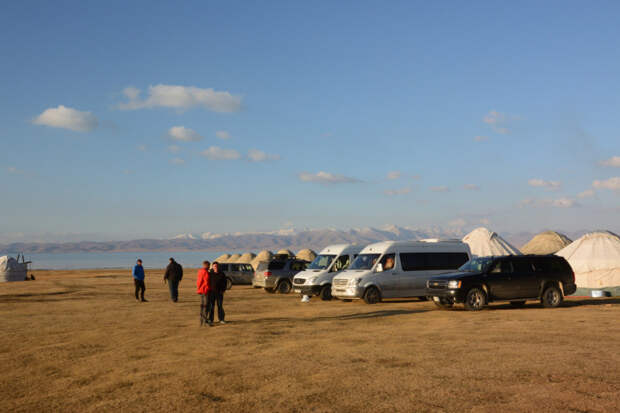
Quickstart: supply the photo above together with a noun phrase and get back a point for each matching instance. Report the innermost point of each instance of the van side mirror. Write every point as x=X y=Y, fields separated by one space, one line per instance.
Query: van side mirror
x=379 y=267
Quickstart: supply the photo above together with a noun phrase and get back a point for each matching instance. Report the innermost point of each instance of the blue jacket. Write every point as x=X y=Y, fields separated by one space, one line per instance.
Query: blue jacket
x=138 y=272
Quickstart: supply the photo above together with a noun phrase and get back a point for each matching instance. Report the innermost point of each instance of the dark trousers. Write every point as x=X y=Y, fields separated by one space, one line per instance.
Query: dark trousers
x=140 y=287
x=216 y=298
x=204 y=308
x=173 y=286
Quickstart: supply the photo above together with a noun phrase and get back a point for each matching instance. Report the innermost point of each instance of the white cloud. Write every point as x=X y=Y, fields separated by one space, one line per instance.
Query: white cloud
x=441 y=188
x=174 y=148
x=215 y=153
x=181 y=97
x=498 y=121
x=142 y=148
x=611 y=183
x=614 y=161
x=222 y=134
x=541 y=183
x=588 y=193
x=563 y=203
x=471 y=187
x=181 y=133
x=256 y=155
x=13 y=170
x=393 y=175
x=177 y=161
x=327 y=178
x=67 y=118
x=393 y=192
x=557 y=203
x=481 y=139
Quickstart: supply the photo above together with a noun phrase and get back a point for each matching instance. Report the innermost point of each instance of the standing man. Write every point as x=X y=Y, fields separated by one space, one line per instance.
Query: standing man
x=138 y=280
x=173 y=275
x=217 y=286
x=202 y=288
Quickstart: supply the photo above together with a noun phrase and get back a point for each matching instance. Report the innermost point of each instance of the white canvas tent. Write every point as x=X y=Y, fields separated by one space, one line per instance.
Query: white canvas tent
x=12 y=270
x=484 y=243
x=595 y=259
x=548 y=242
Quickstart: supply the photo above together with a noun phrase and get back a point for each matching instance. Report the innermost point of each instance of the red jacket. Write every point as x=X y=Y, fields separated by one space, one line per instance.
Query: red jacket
x=202 y=282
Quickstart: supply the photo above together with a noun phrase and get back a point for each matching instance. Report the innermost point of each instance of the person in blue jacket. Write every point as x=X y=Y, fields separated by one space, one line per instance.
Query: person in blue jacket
x=138 y=280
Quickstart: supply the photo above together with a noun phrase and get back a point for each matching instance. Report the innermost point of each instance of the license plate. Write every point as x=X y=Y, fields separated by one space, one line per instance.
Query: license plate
x=340 y=291
x=297 y=290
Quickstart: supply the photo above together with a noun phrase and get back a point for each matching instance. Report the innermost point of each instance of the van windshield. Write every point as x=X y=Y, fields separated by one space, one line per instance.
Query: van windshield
x=476 y=264
x=321 y=262
x=364 y=261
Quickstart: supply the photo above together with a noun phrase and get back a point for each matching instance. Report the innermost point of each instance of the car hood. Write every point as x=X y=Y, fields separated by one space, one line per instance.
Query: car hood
x=455 y=275
x=310 y=273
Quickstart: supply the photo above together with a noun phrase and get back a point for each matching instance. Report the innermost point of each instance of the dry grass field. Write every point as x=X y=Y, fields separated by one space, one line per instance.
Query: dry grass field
x=78 y=341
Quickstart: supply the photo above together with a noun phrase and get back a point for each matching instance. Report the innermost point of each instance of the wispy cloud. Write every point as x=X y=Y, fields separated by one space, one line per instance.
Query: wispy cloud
x=394 y=192
x=181 y=97
x=177 y=161
x=67 y=118
x=588 y=193
x=499 y=121
x=394 y=175
x=541 y=183
x=142 y=148
x=471 y=187
x=614 y=162
x=14 y=171
x=222 y=134
x=215 y=153
x=611 y=183
x=173 y=148
x=256 y=155
x=481 y=138
x=557 y=203
x=441 y=188
x=327 y=178
x=181 y=133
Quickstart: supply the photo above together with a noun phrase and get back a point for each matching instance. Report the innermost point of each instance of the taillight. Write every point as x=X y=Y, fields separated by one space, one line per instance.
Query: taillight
x=267 y=274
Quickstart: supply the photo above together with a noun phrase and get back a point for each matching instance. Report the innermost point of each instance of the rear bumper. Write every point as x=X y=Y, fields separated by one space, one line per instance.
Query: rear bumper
x=456 y=295
x=264 y=282
x=570 y=289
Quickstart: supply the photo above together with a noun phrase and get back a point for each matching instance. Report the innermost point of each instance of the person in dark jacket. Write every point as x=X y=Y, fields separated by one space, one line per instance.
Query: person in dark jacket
x=217 y=286
x=173 y=275
x=138 y=280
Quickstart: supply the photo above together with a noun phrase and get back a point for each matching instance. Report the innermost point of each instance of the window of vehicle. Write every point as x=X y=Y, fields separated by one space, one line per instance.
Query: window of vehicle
x=247 y=267
x=341 y=263
x=522 y=266
x=420 y=261
x=223 y=267
x=388 y=261
x=502 y=267
x=364 y=262
x=476 y=264
x=298 y=266
x=276 y=265
x=321 y=262
x=234 y=267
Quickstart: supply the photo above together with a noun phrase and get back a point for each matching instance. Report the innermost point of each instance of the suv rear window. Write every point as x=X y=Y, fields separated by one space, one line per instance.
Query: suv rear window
x=552 y=265
x=276 y=265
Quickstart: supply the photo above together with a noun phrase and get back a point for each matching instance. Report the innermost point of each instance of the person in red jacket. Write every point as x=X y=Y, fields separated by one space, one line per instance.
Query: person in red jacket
x=202 y=288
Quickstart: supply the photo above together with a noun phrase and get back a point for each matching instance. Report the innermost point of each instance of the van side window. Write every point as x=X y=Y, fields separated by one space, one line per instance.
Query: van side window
x=341 y=263
x=421 y=261
x=388 y=261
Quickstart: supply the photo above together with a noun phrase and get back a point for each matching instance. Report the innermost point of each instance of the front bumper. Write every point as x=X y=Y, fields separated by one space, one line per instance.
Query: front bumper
x=457 y=295
x=307 y=289
x=347 y=292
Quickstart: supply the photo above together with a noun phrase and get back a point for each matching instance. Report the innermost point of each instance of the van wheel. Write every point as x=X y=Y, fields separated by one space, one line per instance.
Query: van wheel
x=475 y=300
x=551 y=297
x=228 y=283
x=270 y=290
x=326 y=293
x=444 y=303
x=372 y=295
x=518 y=304
x=284 y=287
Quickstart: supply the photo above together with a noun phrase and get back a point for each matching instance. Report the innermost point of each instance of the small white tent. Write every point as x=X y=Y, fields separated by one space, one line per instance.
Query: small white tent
x=548 y=242
x=484 y=243
x=12 y=270
x=595 y=258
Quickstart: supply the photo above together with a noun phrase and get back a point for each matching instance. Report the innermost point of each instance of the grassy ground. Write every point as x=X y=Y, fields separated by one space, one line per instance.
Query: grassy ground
x=78 y=341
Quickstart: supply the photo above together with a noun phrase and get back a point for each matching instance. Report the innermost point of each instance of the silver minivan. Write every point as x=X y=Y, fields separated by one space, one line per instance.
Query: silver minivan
x=398 y=269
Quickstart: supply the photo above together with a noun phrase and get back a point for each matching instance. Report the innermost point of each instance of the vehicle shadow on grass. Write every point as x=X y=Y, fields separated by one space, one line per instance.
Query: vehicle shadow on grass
x=343 y=317
x=565 y=304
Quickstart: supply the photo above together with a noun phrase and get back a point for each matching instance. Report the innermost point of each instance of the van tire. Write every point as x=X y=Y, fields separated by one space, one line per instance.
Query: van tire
x=372 y=295
x=475 y=300
x=346 y=300
x=270 y=290
x=228 y=283
x=518 y=304
x=551 y=296
x=326 y=292
x=284 y=287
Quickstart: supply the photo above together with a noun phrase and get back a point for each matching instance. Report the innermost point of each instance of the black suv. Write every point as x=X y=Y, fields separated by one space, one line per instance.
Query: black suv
x=514 y=278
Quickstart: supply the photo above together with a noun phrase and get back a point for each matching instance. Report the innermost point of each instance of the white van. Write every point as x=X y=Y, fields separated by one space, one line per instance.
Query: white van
x=317 y=278
x=398 y=269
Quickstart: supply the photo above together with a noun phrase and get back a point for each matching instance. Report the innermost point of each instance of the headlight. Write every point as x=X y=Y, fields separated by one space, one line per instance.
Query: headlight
x=355 y=281
x=311 y=280
x=454 y=284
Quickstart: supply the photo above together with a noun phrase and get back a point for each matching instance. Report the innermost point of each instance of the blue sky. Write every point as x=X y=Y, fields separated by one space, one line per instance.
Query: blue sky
x=502 y=116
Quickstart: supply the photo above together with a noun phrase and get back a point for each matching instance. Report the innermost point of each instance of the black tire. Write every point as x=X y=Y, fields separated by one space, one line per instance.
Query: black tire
x=270 y=290
x=326 y=293
x=518 y=304
x=475 y=300
x=551 y=297
x=372 y=295
x=444 y=303
x=346 y=300
x=228 y=283
x=284 y=287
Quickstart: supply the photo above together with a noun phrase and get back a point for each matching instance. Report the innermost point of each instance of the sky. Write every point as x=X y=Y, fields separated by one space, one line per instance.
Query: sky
x=122 y=120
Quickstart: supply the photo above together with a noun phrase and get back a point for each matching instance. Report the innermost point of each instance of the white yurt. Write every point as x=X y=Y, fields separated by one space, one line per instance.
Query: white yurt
x=264 y=255
x=595 y=259
x=222 y=258
x=484 y=243
x=548 y=242
x=12 y=270
x=285 y=252
x=246 y=258
x=233 y=258
x=306 y=254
